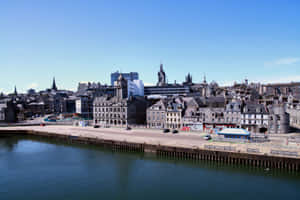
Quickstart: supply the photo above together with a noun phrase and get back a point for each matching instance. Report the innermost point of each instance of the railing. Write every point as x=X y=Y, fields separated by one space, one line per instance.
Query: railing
x=235 y=140
x=253 y=150
x=220 y=148
x=284 y=153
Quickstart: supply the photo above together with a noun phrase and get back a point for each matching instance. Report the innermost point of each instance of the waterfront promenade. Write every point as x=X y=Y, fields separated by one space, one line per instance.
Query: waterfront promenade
x=279 y=145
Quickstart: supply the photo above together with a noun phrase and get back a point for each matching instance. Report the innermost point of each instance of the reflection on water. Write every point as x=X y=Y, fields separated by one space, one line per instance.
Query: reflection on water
x=38 y=168
x=7 y=143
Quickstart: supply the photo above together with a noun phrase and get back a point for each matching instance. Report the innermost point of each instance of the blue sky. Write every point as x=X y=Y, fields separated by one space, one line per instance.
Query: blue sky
x=87 y=40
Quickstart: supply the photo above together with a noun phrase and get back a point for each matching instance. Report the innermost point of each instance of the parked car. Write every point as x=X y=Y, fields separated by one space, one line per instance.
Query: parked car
x=174 y=131
x=166 y=130
x=96 y=126
x=207 y=137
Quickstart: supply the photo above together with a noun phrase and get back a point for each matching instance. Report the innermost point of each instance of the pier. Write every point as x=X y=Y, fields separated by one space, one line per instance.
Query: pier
x=187 y=146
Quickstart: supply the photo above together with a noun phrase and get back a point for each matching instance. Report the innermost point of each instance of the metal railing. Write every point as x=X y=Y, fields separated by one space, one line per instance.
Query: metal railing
x=220 y=148
x=284 y=153
x=253 y=150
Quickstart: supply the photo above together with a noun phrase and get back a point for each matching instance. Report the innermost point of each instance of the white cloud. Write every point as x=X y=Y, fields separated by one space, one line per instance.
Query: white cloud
x=266 y=80
x=283 y=61
x=33 y=86
x=286 y=79
x=226 y=83
x=86 y=82
x=71 y=89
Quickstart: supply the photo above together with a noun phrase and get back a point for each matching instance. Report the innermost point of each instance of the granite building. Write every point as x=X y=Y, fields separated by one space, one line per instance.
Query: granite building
x=156 y=114
x=294 y=113
x=280 y=88
x=84 y=106
x=255 y=117
x=279 y=119
x=233 y=112
x=119 y=110
x=174 y=114
x=7 y=111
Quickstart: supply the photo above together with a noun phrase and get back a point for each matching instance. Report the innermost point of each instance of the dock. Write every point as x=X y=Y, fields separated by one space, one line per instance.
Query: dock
x=182 y=146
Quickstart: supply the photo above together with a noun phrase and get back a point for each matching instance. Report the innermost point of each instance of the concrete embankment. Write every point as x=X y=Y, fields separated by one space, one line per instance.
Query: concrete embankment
x=181 y=147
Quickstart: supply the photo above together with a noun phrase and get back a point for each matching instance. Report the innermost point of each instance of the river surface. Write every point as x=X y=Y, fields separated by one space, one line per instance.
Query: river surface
x=37 y=168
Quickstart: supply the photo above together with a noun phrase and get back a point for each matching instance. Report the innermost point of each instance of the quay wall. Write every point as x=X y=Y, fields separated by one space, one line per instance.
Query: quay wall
x=221 y=156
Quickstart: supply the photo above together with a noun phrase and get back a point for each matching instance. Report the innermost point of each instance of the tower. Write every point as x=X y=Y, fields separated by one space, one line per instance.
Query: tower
x=54 y=85
x=161 y=76
x=204 y=79
x=188 y=79
x=121 y=88
x=205 y=87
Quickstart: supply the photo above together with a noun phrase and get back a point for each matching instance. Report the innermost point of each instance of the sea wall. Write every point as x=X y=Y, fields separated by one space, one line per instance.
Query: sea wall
x=221 y=156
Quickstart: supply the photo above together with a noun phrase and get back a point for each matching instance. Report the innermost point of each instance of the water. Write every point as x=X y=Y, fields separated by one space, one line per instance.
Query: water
x=37 y=168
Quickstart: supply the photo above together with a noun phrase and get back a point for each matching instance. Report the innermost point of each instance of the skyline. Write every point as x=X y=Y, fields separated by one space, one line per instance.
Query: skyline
x=75 y=42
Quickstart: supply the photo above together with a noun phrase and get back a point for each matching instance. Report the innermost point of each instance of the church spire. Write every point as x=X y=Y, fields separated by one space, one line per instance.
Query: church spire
x=15 y=91
x=161 y=67
x=54 y=85
x=204 y=79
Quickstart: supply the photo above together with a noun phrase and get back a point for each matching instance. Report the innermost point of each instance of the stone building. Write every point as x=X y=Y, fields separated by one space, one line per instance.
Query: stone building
x=212 y=117
x=192 y=118
x=7 y=111
x=255 y=117
x=233 y=112
x=174 y=114
x=294 y=113
x=84 y=106
x=35 y=108
x=277 y=89
x=279 y=119
x=119 y=110
x=156 y=114
x=191 y=113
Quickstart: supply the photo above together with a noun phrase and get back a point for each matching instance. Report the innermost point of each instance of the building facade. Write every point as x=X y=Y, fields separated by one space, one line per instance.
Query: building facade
x=120 y=110
x=255 y=117
x=174 y=114
x=233 y=113
x=156 y=115
x=84 y=107
x=7 y=111
x=294 y=113
x=279 y=119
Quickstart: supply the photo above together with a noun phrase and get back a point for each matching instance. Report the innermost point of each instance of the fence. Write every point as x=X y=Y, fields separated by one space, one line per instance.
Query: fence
x=220 y=148
x=284 y=153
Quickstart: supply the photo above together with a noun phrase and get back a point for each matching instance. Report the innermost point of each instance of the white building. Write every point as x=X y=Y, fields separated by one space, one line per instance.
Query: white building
x=255 y=117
